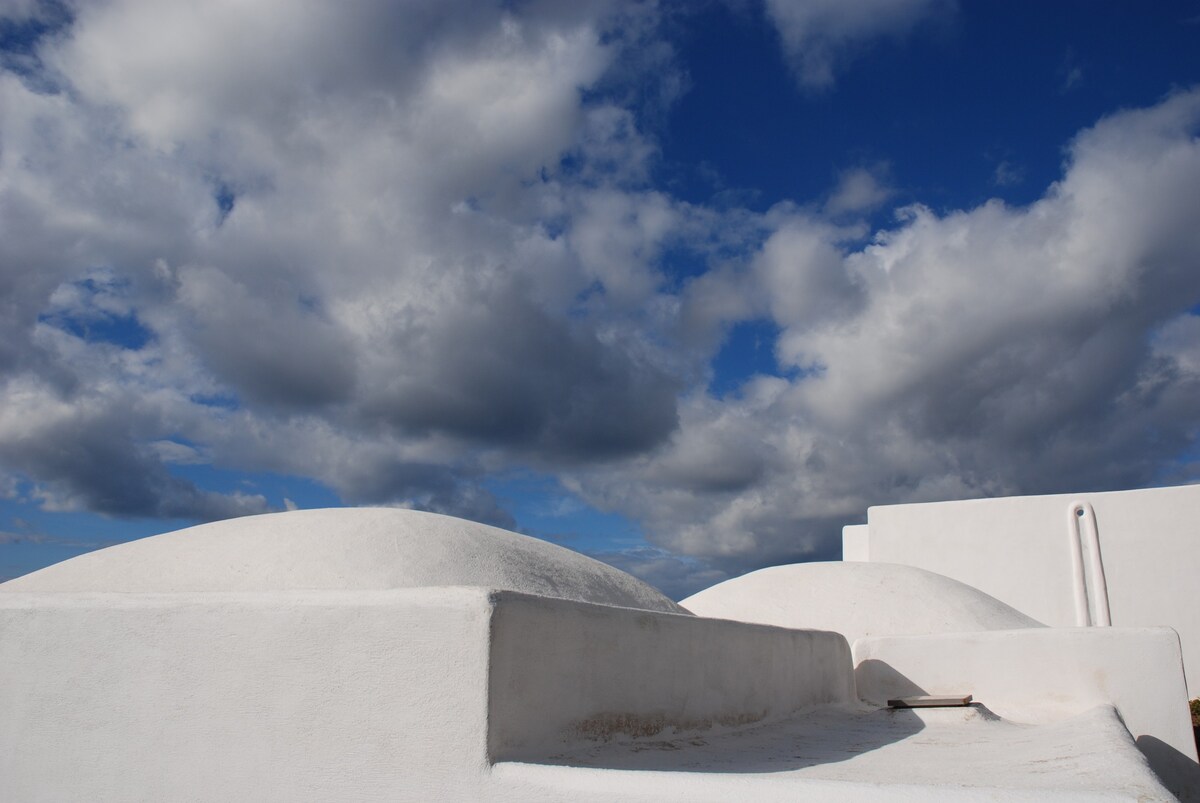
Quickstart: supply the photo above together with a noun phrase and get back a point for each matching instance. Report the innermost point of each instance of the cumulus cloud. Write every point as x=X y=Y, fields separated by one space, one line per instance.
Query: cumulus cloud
x=993 y=350
x=394 y=268
x=85 y=457
x=819 y=36
x=382 y=264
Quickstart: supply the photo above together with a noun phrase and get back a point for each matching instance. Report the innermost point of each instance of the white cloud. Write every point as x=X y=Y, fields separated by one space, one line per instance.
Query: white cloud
x=859 y=190
x=820 y=35
x=985 y=351
x=397 y=266
x=341 y=236
x=801 y=271
x=1007 y=174
x=22 y=10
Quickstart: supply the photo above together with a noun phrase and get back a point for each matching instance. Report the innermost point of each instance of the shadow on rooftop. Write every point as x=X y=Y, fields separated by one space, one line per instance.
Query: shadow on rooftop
x=821 y=736
x=875 y=678
x=1177 y=771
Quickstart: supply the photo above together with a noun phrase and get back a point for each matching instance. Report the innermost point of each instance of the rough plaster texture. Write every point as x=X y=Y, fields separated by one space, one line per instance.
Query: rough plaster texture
x=283 y=658
x=856 y=600
x=1045 y=674
x=837 y=753
x=287 y=696
x=396 y=695
x=368 y=695
x=563 y=672
x=1017 y=549
x=343 y=549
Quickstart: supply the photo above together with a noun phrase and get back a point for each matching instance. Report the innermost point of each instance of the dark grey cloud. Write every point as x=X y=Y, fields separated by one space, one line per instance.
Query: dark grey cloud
x=87 y=459
x=271 y=347
x=499 y=370
x=452 y=490
x=674 y=576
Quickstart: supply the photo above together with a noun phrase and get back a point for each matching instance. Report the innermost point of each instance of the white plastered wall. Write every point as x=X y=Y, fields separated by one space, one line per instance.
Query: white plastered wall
x=268 y=697
x=1042 y=674
x=1017 y=549
x=362 y=695
x=856 y=544
x=564 y=671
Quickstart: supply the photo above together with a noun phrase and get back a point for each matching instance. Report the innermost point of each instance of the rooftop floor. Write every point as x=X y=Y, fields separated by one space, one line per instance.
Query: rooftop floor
x=841 y=753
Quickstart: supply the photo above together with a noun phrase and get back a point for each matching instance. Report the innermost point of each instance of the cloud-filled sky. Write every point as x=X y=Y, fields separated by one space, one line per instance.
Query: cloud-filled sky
x=682 y=285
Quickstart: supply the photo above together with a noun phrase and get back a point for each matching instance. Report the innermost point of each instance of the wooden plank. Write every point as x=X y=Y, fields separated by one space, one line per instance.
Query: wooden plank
x=931 y=701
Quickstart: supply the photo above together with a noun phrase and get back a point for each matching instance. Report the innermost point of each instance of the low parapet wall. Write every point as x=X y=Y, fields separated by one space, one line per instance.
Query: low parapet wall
x=364 y=695
x=1043 y=674
x=267 y=697
x=562 y=672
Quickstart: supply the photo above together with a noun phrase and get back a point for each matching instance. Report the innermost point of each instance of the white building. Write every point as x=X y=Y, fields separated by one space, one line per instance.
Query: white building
x=361 y=654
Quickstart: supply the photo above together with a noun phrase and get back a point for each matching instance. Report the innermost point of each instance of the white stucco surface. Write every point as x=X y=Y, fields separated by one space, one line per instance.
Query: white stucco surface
x=329 y=655
x=838 y=753
x=856 y=545
x=856 y=600
x=565 y=673
x=1046 y=674
x=1018 y=549
x=281 y=696
x=344 y=549
x=421 y=694
x=404 y=694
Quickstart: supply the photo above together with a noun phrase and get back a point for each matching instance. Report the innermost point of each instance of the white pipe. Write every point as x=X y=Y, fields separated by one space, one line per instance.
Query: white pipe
x=1099 y=583
x=1082 y=615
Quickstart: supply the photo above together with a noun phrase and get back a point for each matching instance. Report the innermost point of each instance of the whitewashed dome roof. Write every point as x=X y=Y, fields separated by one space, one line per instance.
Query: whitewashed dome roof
x=344 y=549
x=856 y=600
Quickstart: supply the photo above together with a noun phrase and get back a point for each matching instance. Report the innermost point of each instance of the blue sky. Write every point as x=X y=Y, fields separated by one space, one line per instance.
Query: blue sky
x=685 y=286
